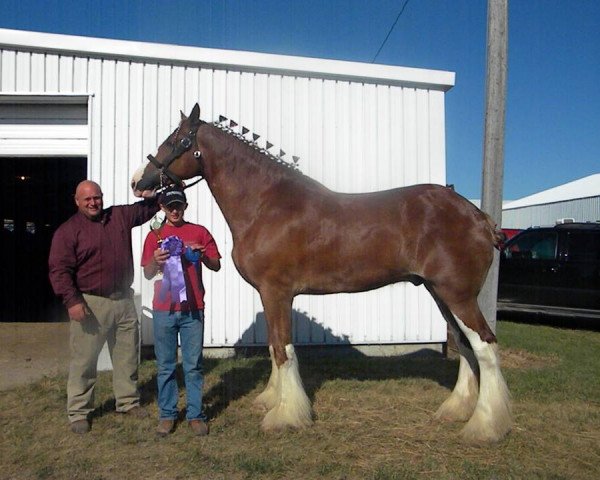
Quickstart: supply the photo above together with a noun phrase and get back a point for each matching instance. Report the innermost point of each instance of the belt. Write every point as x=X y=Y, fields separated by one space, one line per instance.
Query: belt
x=117 y=295
x=120 y=294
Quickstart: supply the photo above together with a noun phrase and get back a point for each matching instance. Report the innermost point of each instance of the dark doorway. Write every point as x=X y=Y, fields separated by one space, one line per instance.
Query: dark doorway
x=37 y=196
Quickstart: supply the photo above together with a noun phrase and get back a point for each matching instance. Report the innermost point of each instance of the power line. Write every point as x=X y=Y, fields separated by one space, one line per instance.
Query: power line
x=391 y=29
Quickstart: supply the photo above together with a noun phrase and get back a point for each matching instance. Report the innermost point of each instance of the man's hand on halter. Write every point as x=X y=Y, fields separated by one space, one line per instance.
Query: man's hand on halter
x=149 y=193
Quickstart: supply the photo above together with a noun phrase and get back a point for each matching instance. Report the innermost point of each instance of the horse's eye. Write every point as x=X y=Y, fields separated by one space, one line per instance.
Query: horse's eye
x=185 y=142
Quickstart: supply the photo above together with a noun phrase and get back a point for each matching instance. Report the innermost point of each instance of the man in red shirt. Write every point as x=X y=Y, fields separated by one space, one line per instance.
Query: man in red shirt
x=91 y=269
x=177 y=251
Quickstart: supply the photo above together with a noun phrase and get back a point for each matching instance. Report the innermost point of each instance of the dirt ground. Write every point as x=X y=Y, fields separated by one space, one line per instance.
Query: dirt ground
x=30 y=351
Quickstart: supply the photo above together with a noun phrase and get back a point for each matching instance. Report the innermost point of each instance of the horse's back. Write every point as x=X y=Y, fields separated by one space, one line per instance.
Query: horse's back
x=422 y=209
x=326 y=241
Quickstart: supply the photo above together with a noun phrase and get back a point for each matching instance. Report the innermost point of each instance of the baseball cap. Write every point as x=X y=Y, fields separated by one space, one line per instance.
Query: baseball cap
x=172 y=195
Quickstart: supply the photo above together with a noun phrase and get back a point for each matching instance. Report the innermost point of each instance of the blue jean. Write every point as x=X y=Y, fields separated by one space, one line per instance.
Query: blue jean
x=190 y=327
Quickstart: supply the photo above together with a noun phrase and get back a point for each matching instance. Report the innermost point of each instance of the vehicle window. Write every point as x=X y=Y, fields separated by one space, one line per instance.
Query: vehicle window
x=534 y=246
x=584 y=247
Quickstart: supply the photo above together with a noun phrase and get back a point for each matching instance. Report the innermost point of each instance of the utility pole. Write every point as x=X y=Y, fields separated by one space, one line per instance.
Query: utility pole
x=493 y=143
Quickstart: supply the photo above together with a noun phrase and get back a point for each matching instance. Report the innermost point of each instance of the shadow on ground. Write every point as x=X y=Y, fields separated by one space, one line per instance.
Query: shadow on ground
x=318 y=364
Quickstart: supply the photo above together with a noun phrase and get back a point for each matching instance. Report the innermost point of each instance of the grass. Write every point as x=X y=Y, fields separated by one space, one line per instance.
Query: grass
x=373 y=421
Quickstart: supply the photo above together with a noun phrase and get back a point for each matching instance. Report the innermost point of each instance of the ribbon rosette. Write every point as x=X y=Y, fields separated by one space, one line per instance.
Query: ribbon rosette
x=193 y=256
x=173 y=280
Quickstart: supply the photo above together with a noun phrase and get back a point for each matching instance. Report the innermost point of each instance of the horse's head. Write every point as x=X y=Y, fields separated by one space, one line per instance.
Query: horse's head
x=177 y=158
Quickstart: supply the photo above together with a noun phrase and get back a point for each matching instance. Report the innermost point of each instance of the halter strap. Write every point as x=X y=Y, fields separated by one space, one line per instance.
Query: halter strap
x=179 y=149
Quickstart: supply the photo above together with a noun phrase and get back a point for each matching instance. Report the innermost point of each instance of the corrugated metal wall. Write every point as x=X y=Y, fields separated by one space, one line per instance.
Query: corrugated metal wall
x=352 y=135
x=581 y=210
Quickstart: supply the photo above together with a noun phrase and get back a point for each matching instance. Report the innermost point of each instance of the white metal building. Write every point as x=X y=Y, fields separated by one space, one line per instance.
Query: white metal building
x=578 y=200
x=356 y=128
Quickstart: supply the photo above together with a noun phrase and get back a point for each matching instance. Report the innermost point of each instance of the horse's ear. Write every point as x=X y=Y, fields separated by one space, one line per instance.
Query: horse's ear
x=195 y=113
x=183 y=117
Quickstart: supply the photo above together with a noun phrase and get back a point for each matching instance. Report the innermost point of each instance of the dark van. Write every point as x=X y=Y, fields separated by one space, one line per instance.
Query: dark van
x=552 y=270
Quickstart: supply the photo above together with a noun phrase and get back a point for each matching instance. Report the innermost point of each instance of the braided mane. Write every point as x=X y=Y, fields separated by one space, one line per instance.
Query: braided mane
x=249 y=138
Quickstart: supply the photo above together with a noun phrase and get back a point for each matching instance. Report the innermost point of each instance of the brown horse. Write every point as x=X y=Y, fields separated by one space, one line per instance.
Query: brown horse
x=292 y=235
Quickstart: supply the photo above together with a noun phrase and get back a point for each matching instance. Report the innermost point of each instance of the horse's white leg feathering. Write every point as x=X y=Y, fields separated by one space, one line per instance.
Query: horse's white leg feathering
x=293 y=408
x=492 y=418
x=270 y=395
x=459 y=406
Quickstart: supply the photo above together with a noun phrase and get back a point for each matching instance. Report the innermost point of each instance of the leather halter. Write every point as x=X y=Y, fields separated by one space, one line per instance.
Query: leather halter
x=182 y=146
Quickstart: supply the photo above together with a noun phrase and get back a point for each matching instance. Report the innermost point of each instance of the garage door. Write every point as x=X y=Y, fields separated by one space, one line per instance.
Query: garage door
x=43 y=155
x=44 y=125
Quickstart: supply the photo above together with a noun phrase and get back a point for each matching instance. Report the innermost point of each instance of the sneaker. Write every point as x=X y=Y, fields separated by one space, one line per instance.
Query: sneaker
x=198 y=427
x=80 y=426
x=165 y=426
x=137 y=412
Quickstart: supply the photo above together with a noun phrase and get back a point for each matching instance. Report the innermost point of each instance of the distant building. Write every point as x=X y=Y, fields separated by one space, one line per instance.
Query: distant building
x=577 y=201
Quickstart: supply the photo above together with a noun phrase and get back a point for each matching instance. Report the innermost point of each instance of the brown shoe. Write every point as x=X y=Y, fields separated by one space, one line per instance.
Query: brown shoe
x=80 y=426
x=137 y=412
x=198 y=427
x=165 y=426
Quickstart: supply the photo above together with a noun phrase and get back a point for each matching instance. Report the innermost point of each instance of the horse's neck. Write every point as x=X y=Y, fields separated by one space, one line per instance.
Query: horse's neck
x=239 y=179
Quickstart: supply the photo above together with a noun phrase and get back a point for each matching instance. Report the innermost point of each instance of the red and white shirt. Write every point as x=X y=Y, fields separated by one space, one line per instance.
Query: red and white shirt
x=189 y=233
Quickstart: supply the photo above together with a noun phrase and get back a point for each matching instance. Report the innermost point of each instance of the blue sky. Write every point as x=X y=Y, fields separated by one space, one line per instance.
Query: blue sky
x=553 y=95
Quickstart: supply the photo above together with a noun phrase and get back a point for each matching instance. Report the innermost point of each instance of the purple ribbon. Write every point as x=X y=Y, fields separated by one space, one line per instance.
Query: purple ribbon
x=173 y=279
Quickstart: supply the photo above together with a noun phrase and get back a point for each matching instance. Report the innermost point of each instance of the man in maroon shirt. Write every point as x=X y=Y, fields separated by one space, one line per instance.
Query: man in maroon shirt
x=91 y=269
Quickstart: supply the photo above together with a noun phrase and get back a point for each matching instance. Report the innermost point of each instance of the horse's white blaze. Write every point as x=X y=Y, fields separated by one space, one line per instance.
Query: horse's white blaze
x=492 y=418
x=270 y=396
x=293 y=407
x=459 y=406
x=137 y=176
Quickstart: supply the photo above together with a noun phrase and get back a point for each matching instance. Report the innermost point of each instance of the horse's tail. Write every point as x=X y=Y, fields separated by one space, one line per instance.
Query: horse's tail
x=498 y=236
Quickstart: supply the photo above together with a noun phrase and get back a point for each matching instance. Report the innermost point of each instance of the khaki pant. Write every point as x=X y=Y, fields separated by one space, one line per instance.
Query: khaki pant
x=114 y=322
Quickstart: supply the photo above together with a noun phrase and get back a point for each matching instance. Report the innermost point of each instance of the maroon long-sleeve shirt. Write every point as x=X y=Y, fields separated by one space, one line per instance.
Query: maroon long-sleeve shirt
x=94 y=256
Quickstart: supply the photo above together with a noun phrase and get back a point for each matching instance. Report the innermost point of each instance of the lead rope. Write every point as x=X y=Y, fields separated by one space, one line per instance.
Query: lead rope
x=156 y=225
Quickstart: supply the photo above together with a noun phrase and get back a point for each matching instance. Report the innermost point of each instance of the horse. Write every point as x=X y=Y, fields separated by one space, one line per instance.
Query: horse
x=292 y=235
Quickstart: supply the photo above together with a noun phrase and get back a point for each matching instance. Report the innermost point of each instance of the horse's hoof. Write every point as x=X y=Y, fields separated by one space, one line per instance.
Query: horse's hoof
x=475 y=440
x=280 y=418
x=266 y=401
x=280 y=427
x=482 y=435
x=448 y=415
x=444 y=418
x=260 y=406
x=453 y=410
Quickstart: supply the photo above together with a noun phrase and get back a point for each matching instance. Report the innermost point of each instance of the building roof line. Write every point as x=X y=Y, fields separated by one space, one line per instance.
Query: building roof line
x=585 y=187
x=228 y=59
